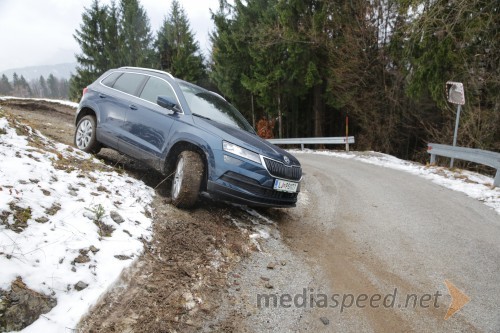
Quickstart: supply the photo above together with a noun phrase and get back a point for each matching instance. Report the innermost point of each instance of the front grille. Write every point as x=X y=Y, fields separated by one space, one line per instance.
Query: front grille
x=280 y=170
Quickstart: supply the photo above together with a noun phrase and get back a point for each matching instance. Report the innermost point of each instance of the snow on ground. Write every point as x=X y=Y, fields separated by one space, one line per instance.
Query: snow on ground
x=65 y=217
x=473 y=184
x=67 y=103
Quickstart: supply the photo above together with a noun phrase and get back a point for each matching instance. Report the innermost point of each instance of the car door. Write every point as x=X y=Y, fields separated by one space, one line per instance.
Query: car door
x=115 y=99
x=108 y=117
x=148 y=124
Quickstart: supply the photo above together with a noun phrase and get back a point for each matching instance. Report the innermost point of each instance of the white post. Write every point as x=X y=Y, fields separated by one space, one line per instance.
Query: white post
x=456 y=132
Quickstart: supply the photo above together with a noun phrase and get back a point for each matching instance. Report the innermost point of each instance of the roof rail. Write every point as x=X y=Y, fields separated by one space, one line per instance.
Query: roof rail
x=148 y=69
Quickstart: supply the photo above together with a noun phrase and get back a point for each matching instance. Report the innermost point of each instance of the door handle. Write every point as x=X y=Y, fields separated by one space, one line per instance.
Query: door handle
x=132 y=106
x=102 y=95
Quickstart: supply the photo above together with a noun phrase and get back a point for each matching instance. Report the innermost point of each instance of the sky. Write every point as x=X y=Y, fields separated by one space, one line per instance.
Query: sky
x=40 y=32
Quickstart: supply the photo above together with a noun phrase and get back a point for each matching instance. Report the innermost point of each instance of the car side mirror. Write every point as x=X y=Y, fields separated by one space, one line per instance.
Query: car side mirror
x=168 y=103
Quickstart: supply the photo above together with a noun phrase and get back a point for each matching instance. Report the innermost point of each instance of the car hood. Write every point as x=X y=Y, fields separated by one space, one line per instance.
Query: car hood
x=245 y=139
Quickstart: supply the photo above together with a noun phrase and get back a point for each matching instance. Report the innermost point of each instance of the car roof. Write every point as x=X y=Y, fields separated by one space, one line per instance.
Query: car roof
x=147 y=70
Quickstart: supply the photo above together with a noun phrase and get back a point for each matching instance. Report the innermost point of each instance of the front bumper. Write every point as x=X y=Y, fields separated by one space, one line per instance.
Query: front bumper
x=263 y=197
x=242 y=181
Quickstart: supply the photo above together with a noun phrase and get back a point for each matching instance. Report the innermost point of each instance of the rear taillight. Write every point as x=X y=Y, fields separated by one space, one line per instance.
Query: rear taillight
x=85 y=91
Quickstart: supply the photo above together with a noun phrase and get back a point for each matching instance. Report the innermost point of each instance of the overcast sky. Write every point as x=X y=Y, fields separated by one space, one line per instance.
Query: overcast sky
x=40 y=32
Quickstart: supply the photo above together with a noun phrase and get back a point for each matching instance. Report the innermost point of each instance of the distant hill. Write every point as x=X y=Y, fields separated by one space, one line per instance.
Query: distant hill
x=60 y=71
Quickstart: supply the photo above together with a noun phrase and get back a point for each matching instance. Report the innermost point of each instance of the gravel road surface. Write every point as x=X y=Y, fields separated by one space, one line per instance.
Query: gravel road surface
x=366 y=230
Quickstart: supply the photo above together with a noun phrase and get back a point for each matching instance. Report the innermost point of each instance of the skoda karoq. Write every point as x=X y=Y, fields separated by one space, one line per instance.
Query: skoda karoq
x=188 y=132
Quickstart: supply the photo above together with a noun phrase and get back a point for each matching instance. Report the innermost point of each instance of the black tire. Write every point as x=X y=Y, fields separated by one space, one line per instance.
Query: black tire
x=187 y=179
x=85 y=135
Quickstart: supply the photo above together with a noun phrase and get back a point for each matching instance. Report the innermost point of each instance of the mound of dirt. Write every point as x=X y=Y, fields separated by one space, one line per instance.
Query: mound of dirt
x=178 y=281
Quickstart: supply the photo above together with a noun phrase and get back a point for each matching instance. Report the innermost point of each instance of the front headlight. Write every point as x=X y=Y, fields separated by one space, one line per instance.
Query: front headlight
x=240 y=151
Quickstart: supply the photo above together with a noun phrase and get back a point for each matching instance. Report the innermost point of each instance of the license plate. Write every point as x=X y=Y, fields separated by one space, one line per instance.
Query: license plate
x=285 y=186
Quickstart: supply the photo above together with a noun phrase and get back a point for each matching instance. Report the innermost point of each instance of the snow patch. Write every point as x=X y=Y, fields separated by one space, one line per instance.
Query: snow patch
x=473 y=184
x=58 y=101
x=55 y=205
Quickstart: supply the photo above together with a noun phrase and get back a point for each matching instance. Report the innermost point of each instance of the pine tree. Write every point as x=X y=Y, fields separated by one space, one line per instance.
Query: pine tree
x=91 y=37
x=21 y=88
x=178 y=51
x=53 y=85
x=44 y=90
x=15 y=79
x=5 y=86
x=135 y=32
x=230 y=57
x=114 y=41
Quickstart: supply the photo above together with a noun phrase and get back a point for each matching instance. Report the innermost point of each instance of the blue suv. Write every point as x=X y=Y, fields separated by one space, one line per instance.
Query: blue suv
x=187 y=132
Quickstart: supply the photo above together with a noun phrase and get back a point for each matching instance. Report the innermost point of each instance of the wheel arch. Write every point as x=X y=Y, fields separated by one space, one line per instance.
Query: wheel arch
x=85 y=111
x=176 y=149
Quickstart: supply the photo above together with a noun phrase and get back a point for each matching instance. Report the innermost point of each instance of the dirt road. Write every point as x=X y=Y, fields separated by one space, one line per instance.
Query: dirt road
x=359 y=231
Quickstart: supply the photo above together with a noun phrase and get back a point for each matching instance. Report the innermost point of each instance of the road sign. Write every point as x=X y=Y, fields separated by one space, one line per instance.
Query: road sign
x=455 y=92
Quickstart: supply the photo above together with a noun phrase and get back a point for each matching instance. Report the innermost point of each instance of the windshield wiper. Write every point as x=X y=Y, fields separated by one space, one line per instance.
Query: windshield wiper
x=200 y=116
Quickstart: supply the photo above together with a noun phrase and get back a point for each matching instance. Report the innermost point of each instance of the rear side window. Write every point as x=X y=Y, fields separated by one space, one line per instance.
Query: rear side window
x=129 y=83
x=156 y=87
x=110 y=79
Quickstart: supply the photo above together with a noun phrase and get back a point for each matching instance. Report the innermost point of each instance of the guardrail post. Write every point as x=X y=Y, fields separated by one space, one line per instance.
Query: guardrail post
x=496 y=181
x=301 y=146
x=433 y=159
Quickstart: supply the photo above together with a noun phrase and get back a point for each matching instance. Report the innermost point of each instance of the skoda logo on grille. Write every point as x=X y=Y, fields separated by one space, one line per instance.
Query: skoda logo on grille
x=286 y=159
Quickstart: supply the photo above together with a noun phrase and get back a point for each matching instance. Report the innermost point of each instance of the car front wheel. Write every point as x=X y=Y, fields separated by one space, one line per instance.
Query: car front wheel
x=85 y=135
x=187 y=179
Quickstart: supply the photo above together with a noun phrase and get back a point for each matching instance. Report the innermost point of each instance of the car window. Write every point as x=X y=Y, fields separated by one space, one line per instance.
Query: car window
x=129 y=83
x=157 y=87
x=206 y=104
x=110 y=79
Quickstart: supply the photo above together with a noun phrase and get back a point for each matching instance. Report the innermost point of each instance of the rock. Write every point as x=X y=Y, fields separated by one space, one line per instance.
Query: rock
x=21 y=306
x=53 y=209
x=42 y=219
x=82 y=258
x=93 y=249
x=73 y=193
x=80 y=285
x=116 y=217
x=268 y=285
x=271 y=265
x=72 y=188
x=263 y=278
x=122 y=257
x=324 y=320
x=73 y=269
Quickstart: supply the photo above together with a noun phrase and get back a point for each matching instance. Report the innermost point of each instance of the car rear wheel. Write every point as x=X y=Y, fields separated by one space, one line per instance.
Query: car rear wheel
x=85 y=135
x=187 y=179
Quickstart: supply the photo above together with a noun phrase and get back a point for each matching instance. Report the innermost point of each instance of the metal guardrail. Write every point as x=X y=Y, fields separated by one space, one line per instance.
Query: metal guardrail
x=313 y=141
x=485 y=157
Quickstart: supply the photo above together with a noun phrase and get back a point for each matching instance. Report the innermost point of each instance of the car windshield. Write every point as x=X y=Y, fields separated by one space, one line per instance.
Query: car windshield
x=208 y=105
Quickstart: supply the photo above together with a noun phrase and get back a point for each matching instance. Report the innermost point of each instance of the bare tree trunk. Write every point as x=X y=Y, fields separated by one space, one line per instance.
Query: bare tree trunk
x=253 y=112
x=318 y=107
x=280 y=128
